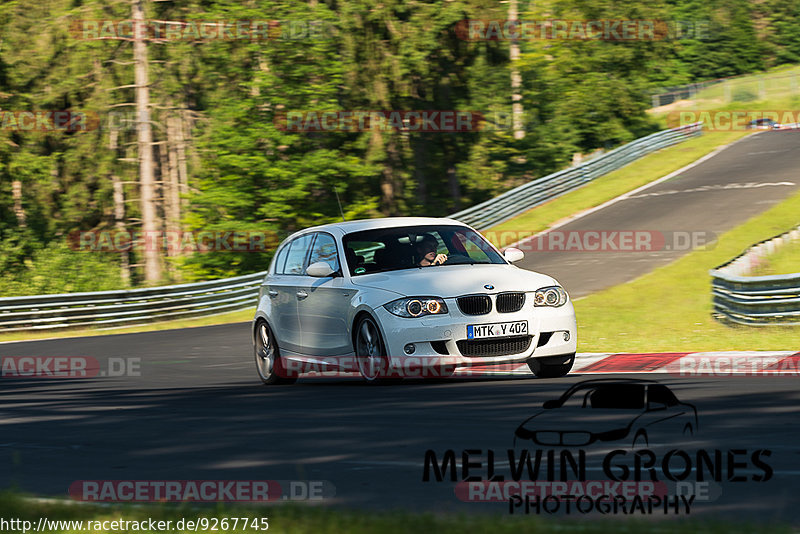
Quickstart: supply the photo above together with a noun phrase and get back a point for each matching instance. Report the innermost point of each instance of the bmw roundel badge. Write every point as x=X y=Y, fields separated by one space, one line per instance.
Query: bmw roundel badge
x=488 y=286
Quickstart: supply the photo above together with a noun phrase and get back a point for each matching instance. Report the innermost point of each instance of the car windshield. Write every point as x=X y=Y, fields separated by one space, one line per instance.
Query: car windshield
x=392 y=249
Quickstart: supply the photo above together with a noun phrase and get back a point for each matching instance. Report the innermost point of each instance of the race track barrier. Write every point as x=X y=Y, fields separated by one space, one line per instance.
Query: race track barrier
x=756 y=300
x=130 y=306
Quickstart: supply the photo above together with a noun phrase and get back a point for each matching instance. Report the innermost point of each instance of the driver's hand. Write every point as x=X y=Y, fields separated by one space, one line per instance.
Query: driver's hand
x=440 y=259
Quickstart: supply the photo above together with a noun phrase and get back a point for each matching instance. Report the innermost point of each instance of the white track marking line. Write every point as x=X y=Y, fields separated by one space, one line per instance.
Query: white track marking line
x=624 y=196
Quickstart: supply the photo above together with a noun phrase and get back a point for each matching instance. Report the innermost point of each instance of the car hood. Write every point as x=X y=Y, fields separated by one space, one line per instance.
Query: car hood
x=453 y=280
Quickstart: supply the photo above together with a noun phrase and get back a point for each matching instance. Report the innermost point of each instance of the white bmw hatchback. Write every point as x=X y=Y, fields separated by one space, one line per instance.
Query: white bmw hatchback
x=406 y=297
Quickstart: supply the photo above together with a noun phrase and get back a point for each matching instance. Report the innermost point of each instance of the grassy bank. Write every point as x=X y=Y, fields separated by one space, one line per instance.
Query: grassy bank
x=784 y=261
x=669 y=309
x=772 y=86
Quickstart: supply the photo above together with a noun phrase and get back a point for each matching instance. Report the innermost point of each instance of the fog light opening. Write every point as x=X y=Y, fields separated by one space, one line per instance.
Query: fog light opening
x=566 y=336
x=409 y=348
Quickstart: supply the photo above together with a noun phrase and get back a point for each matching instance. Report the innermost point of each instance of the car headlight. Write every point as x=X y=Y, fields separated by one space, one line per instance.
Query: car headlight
x=554 y=296
x=417 y=306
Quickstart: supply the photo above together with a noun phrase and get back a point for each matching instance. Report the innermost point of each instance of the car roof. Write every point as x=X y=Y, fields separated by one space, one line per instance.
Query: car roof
x=349 y=227
x=608 y=382
x=617 y=380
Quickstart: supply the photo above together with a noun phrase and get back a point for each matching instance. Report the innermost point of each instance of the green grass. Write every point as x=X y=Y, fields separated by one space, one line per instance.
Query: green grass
x=605 y=188
x=785 y=261
x=669 y=309
x=772 y=85
x=775 y=90
x=231 y=317
x=305 y=519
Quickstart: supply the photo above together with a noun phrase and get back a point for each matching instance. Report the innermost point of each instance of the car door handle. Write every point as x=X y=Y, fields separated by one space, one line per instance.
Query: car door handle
x=301 y=294
x=272 y=293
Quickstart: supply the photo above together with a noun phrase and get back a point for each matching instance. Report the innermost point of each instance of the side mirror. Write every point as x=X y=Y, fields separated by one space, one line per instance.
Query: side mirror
x=549 y=405
x=512 y=254
x=320 y=269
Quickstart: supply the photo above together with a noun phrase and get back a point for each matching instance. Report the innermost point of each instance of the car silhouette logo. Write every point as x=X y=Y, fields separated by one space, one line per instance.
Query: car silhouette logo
x=488 y=286
x=640 y=412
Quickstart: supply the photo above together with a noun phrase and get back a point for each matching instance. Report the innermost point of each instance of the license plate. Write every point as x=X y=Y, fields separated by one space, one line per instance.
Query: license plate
x=481 y=331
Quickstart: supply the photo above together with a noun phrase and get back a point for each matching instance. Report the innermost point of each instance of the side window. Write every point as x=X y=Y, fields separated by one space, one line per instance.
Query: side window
x=280 y=260
x=295 y=258
x=360 y=256
x=662 y=395
x=324 y=249
x=618 y=397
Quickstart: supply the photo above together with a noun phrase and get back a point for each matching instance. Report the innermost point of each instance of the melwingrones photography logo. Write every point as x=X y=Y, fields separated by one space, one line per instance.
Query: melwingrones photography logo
x=604 y=446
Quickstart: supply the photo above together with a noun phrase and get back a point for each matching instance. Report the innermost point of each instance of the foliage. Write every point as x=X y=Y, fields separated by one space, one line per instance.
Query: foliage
x=245 y=172
x=53 y=268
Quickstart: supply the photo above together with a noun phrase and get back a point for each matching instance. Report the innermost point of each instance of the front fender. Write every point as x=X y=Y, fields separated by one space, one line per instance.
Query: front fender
x=367 y=301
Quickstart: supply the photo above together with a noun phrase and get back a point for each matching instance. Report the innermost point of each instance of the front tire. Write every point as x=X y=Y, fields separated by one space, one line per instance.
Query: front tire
x=269 y=363
x=370 y=350
x=552 y=366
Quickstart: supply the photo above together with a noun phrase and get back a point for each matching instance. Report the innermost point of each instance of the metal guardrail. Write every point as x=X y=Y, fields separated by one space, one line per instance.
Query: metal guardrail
x=756 y=300
x=131 y=306
x=522 y=198
x=128 y=307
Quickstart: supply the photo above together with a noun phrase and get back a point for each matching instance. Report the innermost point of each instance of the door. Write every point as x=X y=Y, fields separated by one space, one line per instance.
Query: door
x=283 y=290
x=323 y=303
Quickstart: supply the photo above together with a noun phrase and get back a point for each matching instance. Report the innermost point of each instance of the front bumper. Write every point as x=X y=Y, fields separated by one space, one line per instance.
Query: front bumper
x=445 y=331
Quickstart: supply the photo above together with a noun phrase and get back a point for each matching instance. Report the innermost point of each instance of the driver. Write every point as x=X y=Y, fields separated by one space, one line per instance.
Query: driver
x=426 y=250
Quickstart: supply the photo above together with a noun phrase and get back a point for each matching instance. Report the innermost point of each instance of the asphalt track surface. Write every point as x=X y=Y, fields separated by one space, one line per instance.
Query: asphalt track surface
x=720 y=193
x=194 y=410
